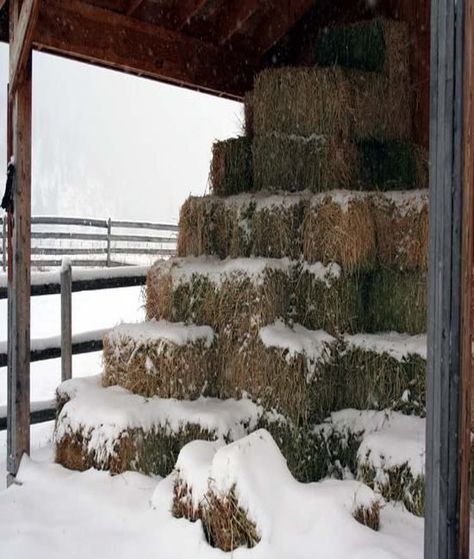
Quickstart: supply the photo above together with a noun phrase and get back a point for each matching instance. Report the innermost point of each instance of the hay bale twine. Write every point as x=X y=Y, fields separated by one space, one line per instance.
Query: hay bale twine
x=402 y=229
x=231 y=166
x=339 y=227
x=163 y=359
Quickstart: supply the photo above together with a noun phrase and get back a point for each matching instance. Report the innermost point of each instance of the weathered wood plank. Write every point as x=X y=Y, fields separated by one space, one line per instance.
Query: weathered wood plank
x=21 y=45
x=66 y=322
x=450 y=235
x=19 y=327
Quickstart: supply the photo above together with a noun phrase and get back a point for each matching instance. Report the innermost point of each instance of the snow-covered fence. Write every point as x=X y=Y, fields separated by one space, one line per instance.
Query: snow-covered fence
x=95 y=242
x=47 y=283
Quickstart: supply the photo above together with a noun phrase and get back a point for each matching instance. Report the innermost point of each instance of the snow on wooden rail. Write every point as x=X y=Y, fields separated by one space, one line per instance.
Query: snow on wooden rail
x=49 y=283
x=39 y=413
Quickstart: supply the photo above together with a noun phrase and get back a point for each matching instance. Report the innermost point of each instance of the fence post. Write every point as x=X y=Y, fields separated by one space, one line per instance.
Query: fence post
x=4 y=243
x=109 y=243
x=66 y=320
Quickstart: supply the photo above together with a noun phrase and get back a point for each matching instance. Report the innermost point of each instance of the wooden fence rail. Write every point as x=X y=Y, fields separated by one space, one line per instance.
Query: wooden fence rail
x=91 y=237
x=65 y=282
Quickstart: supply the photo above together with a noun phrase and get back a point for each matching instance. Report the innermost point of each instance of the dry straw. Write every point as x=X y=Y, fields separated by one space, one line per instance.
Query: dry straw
x=226 y=524
x=402 y=230
x=159 y=367
x=340 y=230
x=231 y=166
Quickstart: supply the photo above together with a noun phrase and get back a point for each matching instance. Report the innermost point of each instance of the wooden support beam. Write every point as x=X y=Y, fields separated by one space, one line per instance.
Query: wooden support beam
x=81 y=31
x=283 y=16
x=18 y=440
x=450 y=283
x=185 y=11
x=20 y=47
x=234 y=16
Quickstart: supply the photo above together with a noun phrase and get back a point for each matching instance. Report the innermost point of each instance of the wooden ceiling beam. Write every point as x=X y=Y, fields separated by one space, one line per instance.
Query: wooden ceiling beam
x=80 y=31
x=133 y=6
x=22 y=42
x=234 y=16
x=185 y=11
x=283 y=16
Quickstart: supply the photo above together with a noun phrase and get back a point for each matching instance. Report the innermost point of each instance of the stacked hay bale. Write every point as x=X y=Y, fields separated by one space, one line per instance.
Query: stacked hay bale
x=300 y=285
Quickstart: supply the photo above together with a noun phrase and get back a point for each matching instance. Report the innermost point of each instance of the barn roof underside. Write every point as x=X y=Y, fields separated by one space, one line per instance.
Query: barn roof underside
x=209 y=45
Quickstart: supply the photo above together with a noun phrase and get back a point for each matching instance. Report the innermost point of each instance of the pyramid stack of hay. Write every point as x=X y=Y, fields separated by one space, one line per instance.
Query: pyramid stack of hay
x=299 y=290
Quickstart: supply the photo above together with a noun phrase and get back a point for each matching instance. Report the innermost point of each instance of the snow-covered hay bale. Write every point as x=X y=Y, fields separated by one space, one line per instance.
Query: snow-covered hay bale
x=159 y=358
x=231 y=166
x=391 y=460
x=402 y=229
x=327 y=298
x=392 y=164
x=339 y=227
x=231 y=489
x=283 y=370
x=379 y=371
x=397 y=301
x=113 y=429
x=241 y=226
x=295 y=163
x=233 y=296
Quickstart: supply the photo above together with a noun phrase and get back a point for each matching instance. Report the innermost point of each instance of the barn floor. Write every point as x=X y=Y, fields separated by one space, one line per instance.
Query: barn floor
x=61 y=513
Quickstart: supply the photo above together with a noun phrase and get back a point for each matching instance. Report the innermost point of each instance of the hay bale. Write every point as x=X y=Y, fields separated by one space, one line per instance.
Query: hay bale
x=326 y=298
x=332 y=104
x=163 y=359
x=378 y=45
x=392 y=164
x=397 y=301
x=295 y=163
x=339 y=227
x=302 y=101
x=231 y=166
x=382 y=371
x=402 y=229
x=233 y=296
x=115 y=430
x=241 y=226
x=283 y=369
x=206 y=227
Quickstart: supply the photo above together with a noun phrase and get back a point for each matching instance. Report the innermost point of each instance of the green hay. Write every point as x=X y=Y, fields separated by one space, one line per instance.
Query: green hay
x=231 y=166
x=160 y=368
x=399 y=485
x=283 y=162
x=151 y=452
x=335 y=306
x=391 y=164
x=397 y=301
x=370 y=380
x=361 y=47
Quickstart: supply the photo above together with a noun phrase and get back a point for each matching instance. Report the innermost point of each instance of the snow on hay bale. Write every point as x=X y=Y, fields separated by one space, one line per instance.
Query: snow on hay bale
x=159 y=358
x=231 y=489
x=231 y=166
x=401 y=225
x=379 y=371
x=339 y=227
x=233 y=296
x=113 y=429
x=282 y=370
x=244 y=225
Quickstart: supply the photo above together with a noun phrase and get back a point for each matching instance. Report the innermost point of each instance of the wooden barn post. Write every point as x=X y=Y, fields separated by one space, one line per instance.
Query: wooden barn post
x=23 y=16
x=450 y=281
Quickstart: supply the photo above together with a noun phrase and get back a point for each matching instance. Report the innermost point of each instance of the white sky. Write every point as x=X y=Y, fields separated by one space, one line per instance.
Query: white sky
x=108 y=144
